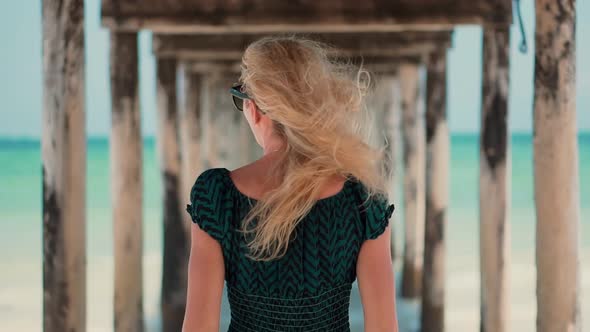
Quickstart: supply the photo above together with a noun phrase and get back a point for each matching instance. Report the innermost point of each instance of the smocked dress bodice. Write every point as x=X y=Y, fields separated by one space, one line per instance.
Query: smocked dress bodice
x=309 y=288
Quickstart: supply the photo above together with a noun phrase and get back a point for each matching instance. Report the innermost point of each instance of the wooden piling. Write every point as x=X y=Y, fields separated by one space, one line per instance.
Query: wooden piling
x=557 y=192
x=437 y=197
x=175 y=246
x=238 y=146
x=63 y=150
x=392 y=127
x=248 y=149
x=191 y=133
x=127 y=182
x=387 y=109
x=208 y=154
x=223 y=125
x=494 y=182
x=413 y=130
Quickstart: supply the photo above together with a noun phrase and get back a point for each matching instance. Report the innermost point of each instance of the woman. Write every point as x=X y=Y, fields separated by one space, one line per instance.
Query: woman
x=290 y=232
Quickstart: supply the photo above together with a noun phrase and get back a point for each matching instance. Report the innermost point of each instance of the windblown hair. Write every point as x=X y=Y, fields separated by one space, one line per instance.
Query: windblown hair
x=318 y=109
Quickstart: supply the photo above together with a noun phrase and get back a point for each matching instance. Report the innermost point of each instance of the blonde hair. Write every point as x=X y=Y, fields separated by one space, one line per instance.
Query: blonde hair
x=317 y=107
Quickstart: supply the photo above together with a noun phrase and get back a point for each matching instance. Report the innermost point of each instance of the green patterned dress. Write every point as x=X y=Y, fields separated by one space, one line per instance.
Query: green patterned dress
x=309 y=288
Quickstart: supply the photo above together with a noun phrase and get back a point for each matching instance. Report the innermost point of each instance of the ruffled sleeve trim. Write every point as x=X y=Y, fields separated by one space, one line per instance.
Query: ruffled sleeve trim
x=375 y=213
x=380 y=222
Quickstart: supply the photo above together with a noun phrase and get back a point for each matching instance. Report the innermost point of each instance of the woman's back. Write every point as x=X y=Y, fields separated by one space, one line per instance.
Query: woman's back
x=307 y=289
x=289 y=260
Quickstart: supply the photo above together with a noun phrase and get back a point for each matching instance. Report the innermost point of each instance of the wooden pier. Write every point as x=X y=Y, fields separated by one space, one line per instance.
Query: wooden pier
x=198 y=46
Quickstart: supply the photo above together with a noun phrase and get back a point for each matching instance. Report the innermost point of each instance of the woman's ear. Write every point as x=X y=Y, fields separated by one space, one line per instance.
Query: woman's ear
x=255 y=111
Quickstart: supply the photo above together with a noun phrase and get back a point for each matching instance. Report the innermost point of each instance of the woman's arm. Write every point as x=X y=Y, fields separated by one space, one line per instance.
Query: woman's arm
x=205 y=283
x=376 y=282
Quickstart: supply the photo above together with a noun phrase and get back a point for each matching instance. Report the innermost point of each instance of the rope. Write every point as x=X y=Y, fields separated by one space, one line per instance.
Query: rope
x=523 y=47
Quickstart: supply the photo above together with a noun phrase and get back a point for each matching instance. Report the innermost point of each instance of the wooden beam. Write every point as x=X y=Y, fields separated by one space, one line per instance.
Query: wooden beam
x=413 y=94
x=375 y=65
x=557 y=192
x=63 y=151
x=127 y=182
x=243 y=16
x=176 y=239
x=232 y=46
x=213 y=66
x=385 y=65
x=494 y=183
x=437 y=195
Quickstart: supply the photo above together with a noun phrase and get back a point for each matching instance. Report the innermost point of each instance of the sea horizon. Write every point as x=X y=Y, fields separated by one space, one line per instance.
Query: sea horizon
x=21 y=237
x=583 y=132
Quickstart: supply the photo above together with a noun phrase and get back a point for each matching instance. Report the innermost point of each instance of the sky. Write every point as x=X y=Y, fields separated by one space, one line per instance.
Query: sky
x=21 y=73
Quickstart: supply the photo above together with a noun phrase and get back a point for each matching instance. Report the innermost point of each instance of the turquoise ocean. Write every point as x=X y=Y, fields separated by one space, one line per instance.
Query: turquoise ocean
x=21 y=234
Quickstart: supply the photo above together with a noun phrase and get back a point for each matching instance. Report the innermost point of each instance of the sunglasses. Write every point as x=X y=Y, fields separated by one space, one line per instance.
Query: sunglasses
x=238 y=95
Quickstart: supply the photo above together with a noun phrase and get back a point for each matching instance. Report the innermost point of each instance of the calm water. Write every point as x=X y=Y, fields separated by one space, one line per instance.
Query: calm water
x=20 y=203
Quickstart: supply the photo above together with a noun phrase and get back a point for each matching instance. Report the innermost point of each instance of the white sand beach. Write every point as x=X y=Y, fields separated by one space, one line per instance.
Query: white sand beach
x=21 y=295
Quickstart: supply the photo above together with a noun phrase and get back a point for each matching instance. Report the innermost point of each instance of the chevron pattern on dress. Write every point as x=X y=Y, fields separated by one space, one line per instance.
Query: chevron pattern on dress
x=308 y=289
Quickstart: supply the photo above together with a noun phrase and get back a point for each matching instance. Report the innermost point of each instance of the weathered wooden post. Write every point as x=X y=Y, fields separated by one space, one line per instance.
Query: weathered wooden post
x=63 y=149
x=557 y=197
x=209 y=144
x=175 y=256
x=223 y=125
x=193 y=101
x=127 y=182
x=494 y=182
x=437 y=196
x=248 y=150
x=387 y=114
x=392 y=127
x=413 y=130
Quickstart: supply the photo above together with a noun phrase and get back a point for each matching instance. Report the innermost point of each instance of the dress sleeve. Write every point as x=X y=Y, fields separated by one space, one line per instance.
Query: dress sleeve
x=375 y=214
x=209 y=205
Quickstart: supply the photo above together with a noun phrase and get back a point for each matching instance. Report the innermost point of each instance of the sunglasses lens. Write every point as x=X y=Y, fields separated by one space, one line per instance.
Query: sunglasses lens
x=238 y=103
